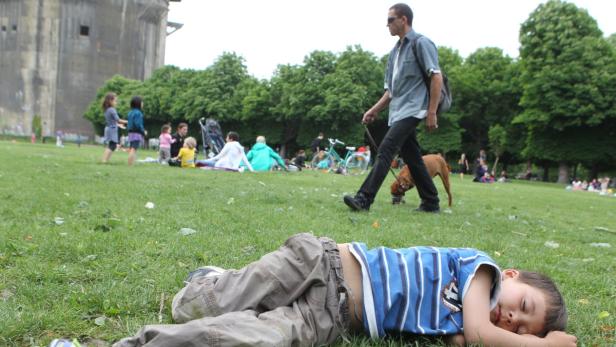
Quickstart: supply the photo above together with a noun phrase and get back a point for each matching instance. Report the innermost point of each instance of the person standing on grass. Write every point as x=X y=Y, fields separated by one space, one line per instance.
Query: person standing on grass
x=136 y=131
x=409 y=102
x=164 y=144
x=112 y=123
x=178 y=142
x=463 y=165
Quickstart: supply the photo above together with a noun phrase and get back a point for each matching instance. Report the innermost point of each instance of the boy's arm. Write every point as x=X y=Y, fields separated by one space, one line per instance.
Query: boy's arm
x=478 y=329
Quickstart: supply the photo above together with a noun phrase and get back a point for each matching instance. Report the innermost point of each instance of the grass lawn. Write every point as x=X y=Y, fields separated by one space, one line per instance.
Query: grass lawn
x=82 y=257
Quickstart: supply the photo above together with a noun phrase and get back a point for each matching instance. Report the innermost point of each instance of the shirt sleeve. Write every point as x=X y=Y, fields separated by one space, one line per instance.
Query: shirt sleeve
x=140 y=122
x=276 y=157
x=114 y=114
x=247 y=162
x=428 y=54
x=223 y=152
x=468 y=269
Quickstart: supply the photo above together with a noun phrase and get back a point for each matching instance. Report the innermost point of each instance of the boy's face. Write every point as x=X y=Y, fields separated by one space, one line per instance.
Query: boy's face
x=520 y=308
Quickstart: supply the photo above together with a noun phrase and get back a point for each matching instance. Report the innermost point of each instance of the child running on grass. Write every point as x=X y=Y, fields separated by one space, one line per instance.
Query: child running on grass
x=311 y=291
x=187 y=153
x=112 y=123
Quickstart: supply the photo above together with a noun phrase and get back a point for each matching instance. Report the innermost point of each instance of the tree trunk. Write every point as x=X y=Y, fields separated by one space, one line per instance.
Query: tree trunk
x=546 y=171
x=575 y=167
x=563 y=173
x=594 y=171
x=494 y=167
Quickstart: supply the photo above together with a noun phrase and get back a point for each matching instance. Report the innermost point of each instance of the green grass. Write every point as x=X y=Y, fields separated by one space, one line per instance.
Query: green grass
x=114 y=258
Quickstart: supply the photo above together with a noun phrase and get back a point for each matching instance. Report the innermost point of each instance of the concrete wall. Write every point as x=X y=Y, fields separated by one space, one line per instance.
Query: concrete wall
x=50 y=66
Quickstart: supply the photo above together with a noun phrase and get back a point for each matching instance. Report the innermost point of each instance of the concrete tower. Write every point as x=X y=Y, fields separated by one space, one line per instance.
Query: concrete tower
x=55 y=54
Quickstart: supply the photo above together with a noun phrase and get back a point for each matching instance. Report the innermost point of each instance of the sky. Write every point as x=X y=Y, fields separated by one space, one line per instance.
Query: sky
x=267 y=33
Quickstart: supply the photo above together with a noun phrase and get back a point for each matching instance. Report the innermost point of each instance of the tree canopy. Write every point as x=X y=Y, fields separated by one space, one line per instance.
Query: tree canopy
x=554 y=105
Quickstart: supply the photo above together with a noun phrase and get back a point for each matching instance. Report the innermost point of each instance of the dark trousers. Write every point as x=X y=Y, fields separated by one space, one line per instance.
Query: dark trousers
x=401 y=137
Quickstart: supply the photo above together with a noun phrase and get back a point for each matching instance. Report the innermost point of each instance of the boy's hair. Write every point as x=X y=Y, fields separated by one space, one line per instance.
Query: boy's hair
x=190 y=142
x=136 y=102
x=403 y=10
x=556 y=312
x=107 y=101
x=260 y=139
x=182 y=125
x=165 y=128
x=233 y=136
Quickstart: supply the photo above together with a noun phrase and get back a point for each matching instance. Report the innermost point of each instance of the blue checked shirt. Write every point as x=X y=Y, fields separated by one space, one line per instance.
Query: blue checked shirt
x=404 y=80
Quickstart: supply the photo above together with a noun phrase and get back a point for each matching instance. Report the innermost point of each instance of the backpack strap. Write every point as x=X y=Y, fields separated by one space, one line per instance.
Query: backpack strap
x=420 y=62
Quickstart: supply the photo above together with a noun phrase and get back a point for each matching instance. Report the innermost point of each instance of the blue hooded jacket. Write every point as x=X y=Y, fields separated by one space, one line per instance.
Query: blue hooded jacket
x=262 y=157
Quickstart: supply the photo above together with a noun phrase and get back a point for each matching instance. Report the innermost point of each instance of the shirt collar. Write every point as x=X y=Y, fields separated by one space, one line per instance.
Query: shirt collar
x=407 y=37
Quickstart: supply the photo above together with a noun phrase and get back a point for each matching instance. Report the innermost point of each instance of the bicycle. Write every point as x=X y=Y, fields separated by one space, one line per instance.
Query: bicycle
x=353 y=163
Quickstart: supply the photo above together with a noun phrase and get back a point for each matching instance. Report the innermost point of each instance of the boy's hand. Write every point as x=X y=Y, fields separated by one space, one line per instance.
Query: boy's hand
x=560 y=338
x=456 y=340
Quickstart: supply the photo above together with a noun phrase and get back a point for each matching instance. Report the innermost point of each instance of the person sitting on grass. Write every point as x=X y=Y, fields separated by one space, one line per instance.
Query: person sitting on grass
x=323 y=162
x=177 y=142
x=186 y=157
x=311 y=291
x=231 y=155
x=262 y=157
x=300 y=159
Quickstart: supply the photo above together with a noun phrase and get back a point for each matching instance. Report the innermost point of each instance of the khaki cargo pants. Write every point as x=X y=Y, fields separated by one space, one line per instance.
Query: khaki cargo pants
x=290 y=297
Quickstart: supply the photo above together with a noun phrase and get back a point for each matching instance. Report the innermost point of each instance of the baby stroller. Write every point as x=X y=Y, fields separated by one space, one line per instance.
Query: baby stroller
x=213 y=140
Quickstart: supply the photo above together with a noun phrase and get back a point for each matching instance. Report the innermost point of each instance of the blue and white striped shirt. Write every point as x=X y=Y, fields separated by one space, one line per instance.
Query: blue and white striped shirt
x=418 y=290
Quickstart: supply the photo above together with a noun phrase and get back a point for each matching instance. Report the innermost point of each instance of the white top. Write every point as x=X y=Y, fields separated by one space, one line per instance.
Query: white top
x=230 y=157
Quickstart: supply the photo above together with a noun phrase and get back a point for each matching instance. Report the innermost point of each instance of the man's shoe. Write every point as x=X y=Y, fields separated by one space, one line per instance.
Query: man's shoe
x=206 y=271
x=357 y=202
x=427 y=209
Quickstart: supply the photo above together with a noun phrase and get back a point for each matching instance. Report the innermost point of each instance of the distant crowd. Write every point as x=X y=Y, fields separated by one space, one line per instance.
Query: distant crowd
x=603 y=186
x=178 y=149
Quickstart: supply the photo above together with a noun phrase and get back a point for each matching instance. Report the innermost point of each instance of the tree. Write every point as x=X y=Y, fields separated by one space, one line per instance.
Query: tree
x=568 y=73
x=612 y=40
x=485 y=95
x=498 y=140
x=121 y=87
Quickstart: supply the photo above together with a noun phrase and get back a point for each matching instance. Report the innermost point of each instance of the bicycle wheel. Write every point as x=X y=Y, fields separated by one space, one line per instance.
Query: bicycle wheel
x=356 y=164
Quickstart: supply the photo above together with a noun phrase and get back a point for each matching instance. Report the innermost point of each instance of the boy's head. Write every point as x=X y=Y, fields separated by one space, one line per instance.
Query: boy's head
x=529 y=303
x=260 y=139
x=190 y=143
x=233 y=136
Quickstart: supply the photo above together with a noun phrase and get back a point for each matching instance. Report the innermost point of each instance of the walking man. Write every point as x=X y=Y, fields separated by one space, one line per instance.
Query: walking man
x=409 y=102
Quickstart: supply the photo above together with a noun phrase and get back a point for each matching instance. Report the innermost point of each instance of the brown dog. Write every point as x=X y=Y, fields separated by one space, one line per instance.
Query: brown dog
x=435 y=164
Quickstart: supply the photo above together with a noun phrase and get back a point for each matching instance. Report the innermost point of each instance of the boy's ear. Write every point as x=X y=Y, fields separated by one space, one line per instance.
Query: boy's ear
x=510 y=273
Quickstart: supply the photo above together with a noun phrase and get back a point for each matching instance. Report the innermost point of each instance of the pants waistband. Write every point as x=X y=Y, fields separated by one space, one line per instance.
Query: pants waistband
x=331 y=249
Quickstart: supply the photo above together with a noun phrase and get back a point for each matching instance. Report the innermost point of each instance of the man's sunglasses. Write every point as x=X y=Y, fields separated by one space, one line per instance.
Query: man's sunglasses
x=391 y=19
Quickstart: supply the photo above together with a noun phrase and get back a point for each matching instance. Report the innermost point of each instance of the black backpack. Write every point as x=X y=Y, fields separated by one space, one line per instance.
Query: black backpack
x=445 y=102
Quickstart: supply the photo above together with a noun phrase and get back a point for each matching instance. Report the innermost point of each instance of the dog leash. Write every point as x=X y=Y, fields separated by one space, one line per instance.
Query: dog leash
x=373 y=144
